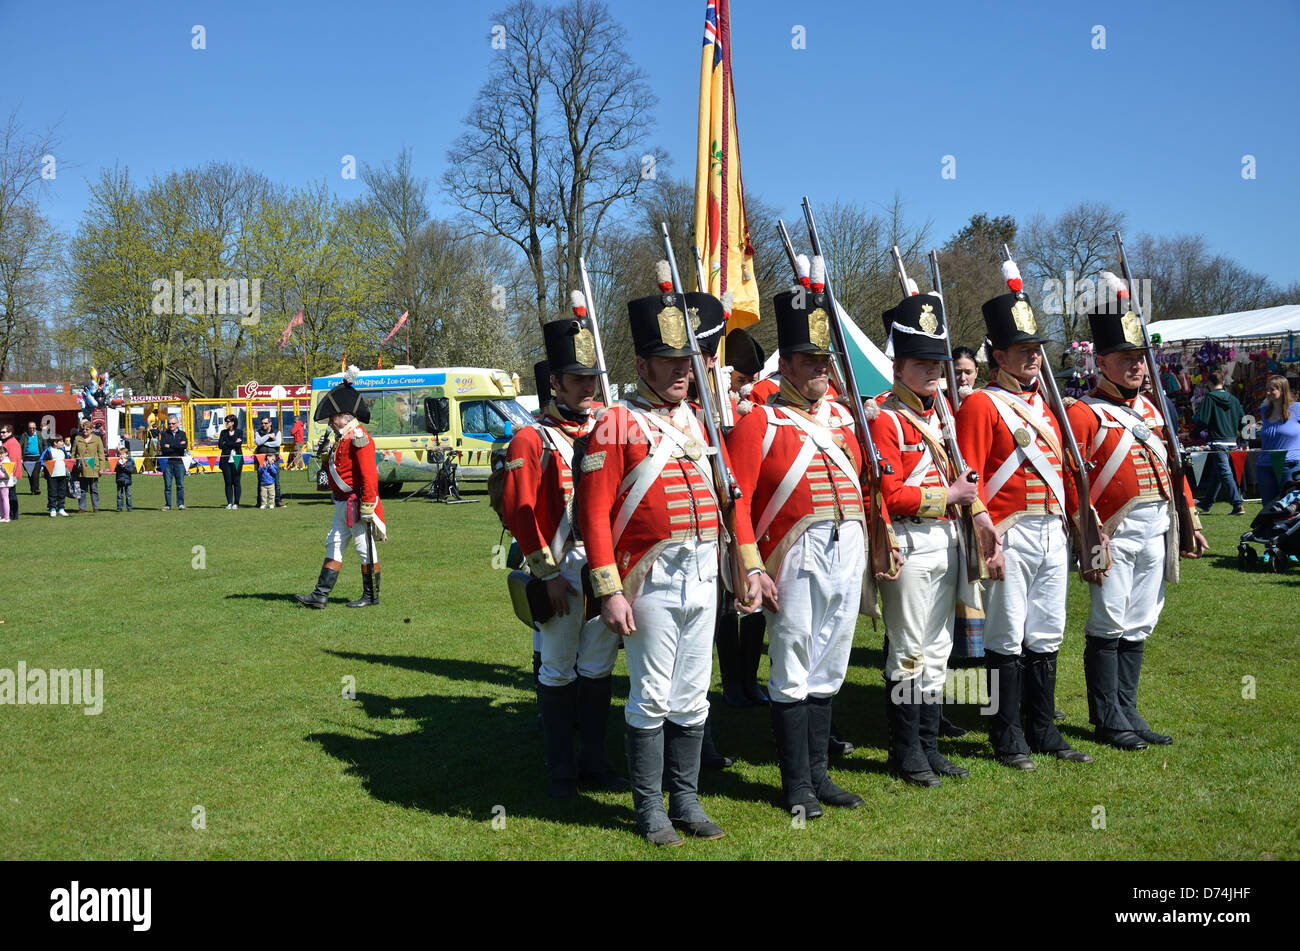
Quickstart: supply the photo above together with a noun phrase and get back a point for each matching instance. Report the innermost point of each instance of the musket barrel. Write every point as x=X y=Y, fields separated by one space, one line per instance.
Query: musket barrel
x=605 y=391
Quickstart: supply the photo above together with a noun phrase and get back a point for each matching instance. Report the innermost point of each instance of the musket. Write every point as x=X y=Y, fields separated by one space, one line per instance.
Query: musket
x=975 y=566
x=605 y=393
x=724 y=482
x=721 y=387
x=1089 y=522
x=1177 y=472
x=880 y=532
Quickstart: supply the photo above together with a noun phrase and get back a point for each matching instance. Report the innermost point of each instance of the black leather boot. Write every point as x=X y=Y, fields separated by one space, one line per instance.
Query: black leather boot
x=369 y=589
x=930 y=729
x=752 y=627
x=645 y=770
x=682 y=780
x=1039 y=707
x=727 y=642
x=559 y=713
x=710 y=758
x=905 y=754
x=1101 y=673
x=1005 y=734
x=819 y=733
x=595 y=771
x=790 y=727
x=1130 y=669
x=324 y=585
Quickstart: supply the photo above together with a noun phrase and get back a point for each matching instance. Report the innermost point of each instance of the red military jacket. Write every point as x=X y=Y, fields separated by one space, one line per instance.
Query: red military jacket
x=352 y=471
x=1139 y=474
x=538 y=492
x=921 y=468
x=789 y=482
x=988 y=445
x=624 y=534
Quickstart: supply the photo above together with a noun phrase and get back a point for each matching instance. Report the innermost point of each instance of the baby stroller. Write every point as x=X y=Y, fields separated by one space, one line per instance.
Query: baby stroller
x=1277 y=528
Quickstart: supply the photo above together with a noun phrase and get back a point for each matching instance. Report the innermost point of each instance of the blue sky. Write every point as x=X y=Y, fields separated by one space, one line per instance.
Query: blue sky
x=1036 y=119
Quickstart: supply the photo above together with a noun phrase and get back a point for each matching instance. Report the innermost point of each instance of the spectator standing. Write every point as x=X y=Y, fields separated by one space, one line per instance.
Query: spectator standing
x=7 y=479
x=1280 y=434
x=266 y=440
x=173 y=444
x=1219 y=416
x=124 y=470
x=13 y=452
x=231 y=444
x=32 y=454
x=268 y=479
x=91 y=461
x=299 y=435
x=56 y=474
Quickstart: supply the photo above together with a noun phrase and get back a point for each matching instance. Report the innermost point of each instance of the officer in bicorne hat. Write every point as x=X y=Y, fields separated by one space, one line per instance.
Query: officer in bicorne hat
x=798 y=465
x=1123 y=438
x=354 y=481
x=577 y=652
x=920 y=484
x=1007 y=431
x=651 y=521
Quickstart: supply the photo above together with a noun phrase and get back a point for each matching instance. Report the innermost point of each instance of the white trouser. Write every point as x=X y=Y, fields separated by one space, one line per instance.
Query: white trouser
x=571 y=642
x=670 y=654
x=1128 y=603
x=339 y=533
x=818 y=587
x=920 y=606
x=1026 y=610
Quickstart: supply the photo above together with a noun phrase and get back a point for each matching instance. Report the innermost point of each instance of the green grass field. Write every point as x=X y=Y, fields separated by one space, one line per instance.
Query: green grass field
x=222 y=693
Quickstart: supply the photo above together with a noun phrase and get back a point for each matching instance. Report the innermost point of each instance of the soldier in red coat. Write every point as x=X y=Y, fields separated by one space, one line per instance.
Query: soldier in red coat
x=798 y=465
x=577 y=653
x=651 y=522
x=354 y=481
x=1008 y=433
x=1122 y=434
x=920 y=483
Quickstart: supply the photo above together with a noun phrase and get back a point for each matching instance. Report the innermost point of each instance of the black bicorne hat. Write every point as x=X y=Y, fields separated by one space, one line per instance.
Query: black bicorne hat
x=570 y=348
x=342 y=399
x=659 y=325
x=542 y=377
x=1010 y=320
x=802 y=321
x=744 y=353
x=917 y=328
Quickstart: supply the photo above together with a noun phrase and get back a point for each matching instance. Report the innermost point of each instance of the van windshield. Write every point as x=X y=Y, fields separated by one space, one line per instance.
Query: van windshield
x=487 y=419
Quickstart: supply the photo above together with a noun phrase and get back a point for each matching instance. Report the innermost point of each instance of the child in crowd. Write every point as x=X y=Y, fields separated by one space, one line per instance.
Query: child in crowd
x=56 y=474
x=124 y=469
x=266 y=476
x=6 y=479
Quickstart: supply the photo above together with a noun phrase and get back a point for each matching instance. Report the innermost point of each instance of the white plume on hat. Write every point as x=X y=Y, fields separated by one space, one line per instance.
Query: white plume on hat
x=1010 y=272
x=579 y=303
x=817 y=274
x=351 y=375
x=801 y=267
x=912 y=288
x=663 y=273
x=1114 y=285
x=728 y=301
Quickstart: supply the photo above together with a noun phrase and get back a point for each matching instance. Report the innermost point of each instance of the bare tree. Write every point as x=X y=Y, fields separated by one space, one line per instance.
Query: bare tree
x=1073 y=247
x=971 y=268
x=552 y=141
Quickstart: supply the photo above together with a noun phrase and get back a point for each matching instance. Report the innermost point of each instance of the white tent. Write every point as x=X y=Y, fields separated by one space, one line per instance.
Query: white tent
x=1266 y=322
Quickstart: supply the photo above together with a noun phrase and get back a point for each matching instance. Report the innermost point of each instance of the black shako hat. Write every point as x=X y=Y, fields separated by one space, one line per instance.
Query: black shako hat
x=542 y=377
x=1113 y=324
x=710 y=327
x=1010 y=320
x=343 y=399
x=570 y=348
x=802 y=321
x=744 y=353
x=658 y=322
x=916 y=328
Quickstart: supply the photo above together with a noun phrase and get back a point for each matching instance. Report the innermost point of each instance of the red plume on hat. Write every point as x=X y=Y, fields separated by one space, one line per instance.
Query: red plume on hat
x=801 y=266
x=579 y=303
x=818 y=274
x=1116 y=288
x=1011 y=274
x=664 y=275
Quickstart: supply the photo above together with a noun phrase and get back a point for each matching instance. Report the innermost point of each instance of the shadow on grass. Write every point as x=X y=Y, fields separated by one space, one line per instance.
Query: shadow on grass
x=272 y=596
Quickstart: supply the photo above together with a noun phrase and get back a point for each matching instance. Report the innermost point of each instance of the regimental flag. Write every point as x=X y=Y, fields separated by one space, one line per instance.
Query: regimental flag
x=401 y=321
x=721 y=228
x=295 y=321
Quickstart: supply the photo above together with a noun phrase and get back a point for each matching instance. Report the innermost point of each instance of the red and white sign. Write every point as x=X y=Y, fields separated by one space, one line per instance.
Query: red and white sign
x=262 y=391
